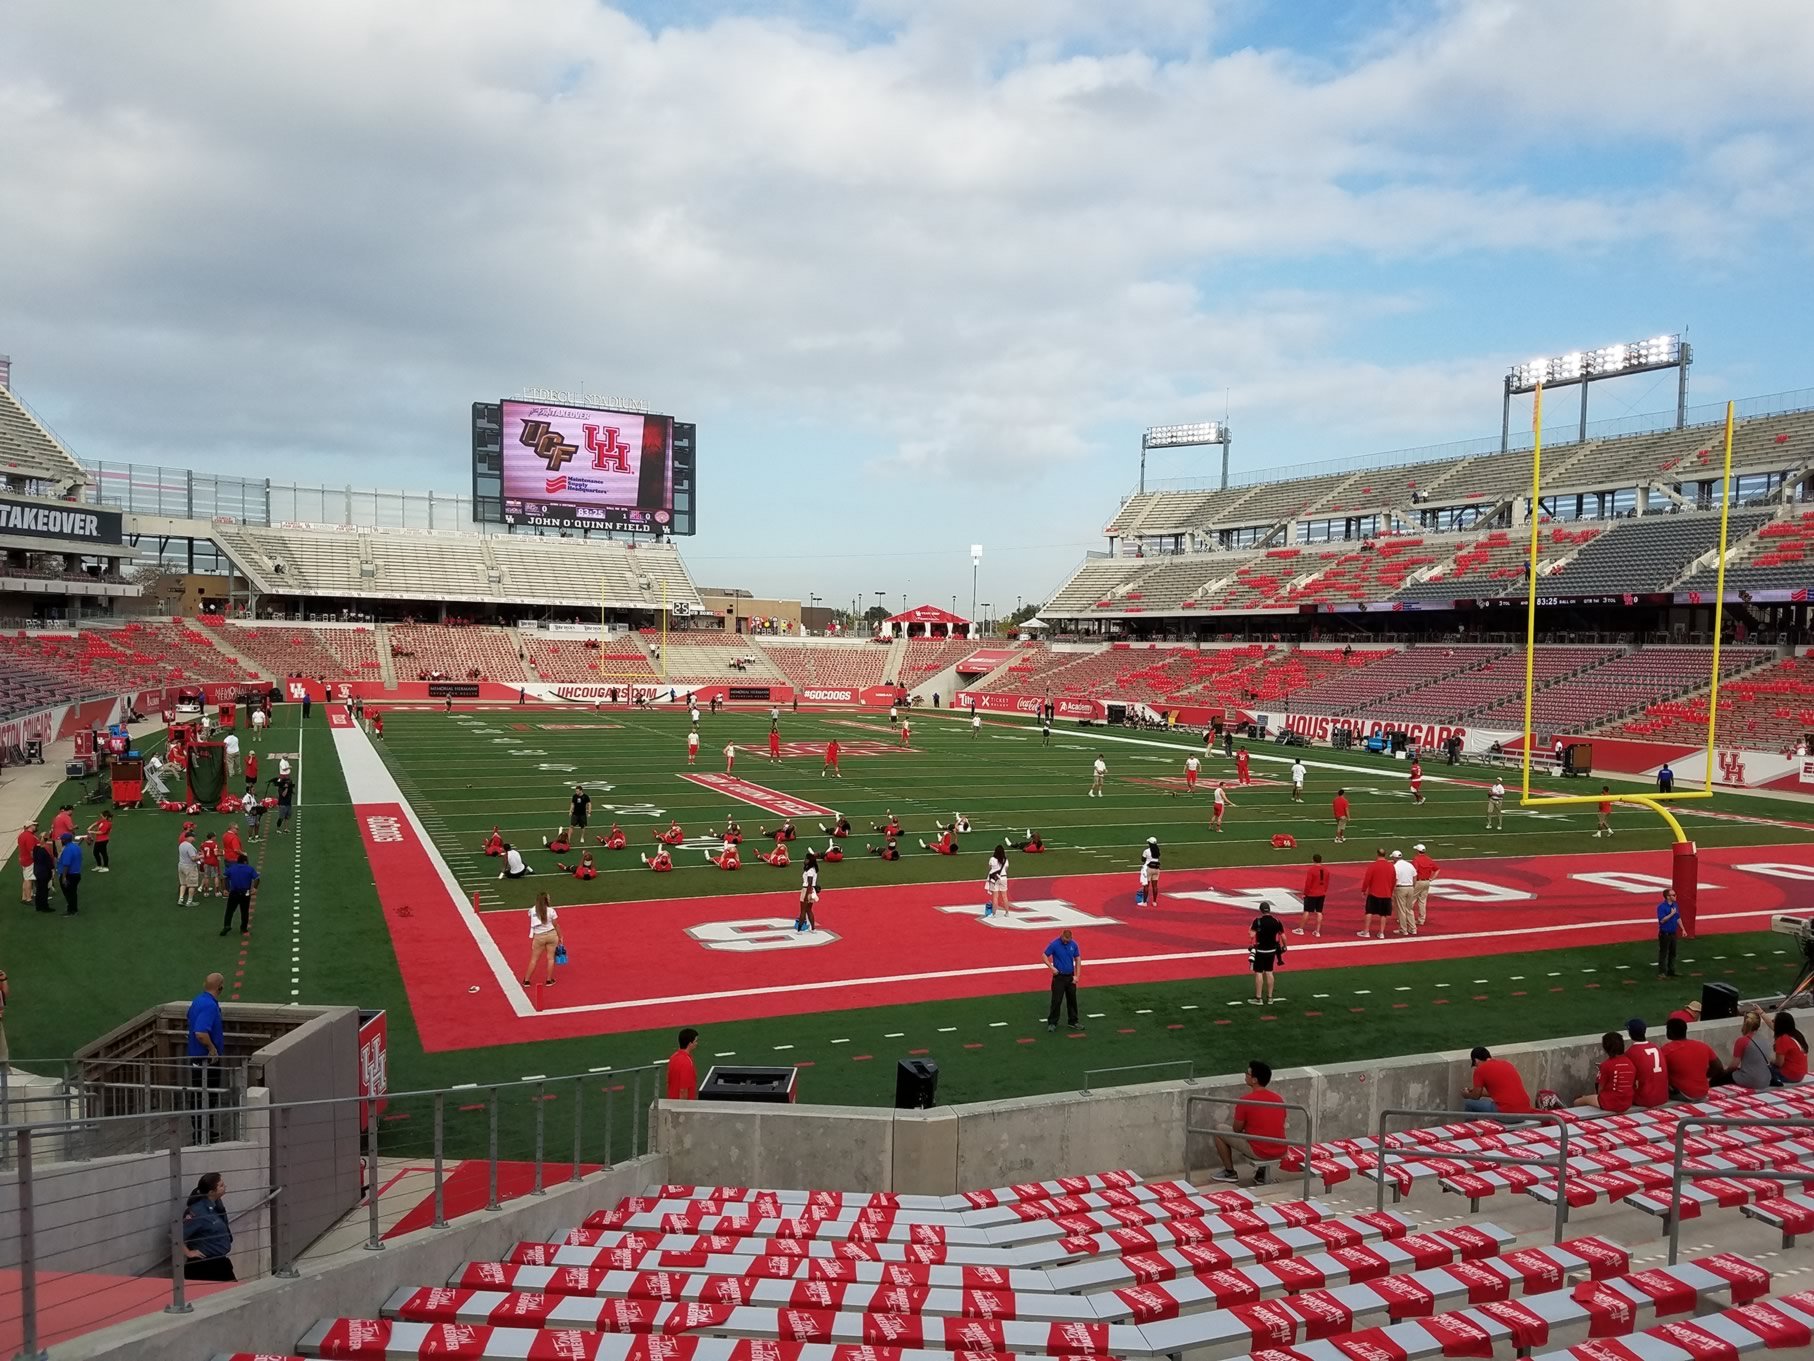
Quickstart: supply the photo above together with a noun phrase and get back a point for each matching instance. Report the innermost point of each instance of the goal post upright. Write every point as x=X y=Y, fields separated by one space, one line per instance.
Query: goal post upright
x=1684 y=875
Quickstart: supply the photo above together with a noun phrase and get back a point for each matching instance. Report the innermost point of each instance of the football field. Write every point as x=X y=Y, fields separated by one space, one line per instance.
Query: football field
x=381 y=896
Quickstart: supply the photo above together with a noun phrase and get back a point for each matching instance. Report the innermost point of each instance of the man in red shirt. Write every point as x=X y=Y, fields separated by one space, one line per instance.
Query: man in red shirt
x=1416 y=780
x=1241 y=775
x=64 y=821
x=1497 y=1086
x=1339 y=806
x=28 y=842
x=1377 y=883
x=1260 y=1116
x=1605 y=827
x=1426 y=870
x=1316 y=888
x=831 y=760
x=251 y=772
x=1652 y=1076
x=683 y=1077
x=1616 y=1082
x=1689 y=1063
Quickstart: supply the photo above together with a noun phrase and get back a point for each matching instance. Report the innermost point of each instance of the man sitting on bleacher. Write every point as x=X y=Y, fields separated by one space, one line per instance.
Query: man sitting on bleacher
x=1260 y=1116
x=1617 y=1079
x=1691 y=1063
x=1497 y=1086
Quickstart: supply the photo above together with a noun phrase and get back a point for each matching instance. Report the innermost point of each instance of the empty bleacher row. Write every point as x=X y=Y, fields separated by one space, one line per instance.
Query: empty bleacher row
x=1771 y=709
x=1099 y=1266
x=837 y=666
x=332 y=652
x=30 y=456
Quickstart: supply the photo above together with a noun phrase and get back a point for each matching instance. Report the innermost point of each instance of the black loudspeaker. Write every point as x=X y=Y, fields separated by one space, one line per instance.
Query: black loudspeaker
x=736 y=1083
x=915 y=1085
x=1719 y=1001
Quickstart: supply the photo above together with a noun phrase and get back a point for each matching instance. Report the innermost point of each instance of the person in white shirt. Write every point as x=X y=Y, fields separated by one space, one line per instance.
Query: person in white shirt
x=730 y=756
x=258 y=719
x=1222 y=804
x=995 y=884
x=1495 y=806
x=283 y=765
x=976 y=724
x=188 y=871
x=1404 y=903
x=1191 y=766
x=1297 y=781
x=809 y=894
x=1097 y=771
x=693 y=746
x=514 y=868
x=1149 y=872
x=232 y=749
x=544 y=939
x=894 y=713
x=693 y=712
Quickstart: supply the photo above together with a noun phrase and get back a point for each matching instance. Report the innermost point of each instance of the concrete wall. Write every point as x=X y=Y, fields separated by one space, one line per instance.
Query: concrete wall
x=998 y=1143
x=270 y=1315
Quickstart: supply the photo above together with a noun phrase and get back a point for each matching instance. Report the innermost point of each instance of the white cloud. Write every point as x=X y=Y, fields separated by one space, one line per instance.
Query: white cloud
x=969 y=249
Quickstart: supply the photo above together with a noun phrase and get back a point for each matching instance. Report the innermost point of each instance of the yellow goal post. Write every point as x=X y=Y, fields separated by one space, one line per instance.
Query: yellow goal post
x=1655 y=802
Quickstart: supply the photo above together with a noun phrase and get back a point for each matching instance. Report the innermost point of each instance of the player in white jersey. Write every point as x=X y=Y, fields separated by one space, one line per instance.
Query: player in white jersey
x=1495 y=806
x=1297 y=781
x=1097 y=771
x=693 y=746
x=1191 y=766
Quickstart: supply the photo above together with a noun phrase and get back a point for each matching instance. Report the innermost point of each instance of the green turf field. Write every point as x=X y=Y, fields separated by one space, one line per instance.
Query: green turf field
x=319 y=937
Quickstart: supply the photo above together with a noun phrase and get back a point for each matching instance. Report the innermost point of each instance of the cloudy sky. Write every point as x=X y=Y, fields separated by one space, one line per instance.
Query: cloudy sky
x=920 y=270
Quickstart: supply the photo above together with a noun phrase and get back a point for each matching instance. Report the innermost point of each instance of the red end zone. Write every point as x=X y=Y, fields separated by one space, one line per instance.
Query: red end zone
x=643 y=965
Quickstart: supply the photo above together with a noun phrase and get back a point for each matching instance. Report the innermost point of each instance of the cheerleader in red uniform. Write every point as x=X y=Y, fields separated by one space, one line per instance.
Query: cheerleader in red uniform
x=891 y=851
x=494 y=844
x=838 y=829
x=785 y=832
x=661 y=862
x=558 y=843
x=616 y=841
x=727 y=858
x=776 y=857
x=891 y=827
x=673 y=836
x=585 y=869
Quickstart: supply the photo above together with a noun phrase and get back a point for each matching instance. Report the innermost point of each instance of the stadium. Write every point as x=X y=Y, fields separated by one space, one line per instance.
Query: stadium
x=1358 y=911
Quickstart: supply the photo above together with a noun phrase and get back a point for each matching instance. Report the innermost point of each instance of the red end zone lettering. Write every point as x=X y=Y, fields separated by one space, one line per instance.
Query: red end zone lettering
x=768 y=800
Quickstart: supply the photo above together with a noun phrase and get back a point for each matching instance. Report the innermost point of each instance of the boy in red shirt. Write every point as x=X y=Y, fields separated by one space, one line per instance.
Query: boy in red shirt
x=210 y=849
x=1605 y=827
x=1416 y=781
x=1316 y=888
x=831 y=760
x=1615 y=1084
x=683 y=1077
x=1339 y=807
x=1689 y=1063
x=1652 y=1077
x=1260 y=1116
x=1497 y=1086
x=774 y=743
x=251 y=771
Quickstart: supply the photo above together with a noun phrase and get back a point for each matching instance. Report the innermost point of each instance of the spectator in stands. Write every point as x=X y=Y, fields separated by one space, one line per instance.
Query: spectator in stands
x=1616 y=1081
x=1665 y=779
x=1693 y=1067
x=1751 y=1053
x=1669 y=930
x=1260 y=1119
x=1790 y=1051
x=1688 y=1013
x=683 y=1076
x=1497 y=1086
x=207 y=1236
x=1650 y=1073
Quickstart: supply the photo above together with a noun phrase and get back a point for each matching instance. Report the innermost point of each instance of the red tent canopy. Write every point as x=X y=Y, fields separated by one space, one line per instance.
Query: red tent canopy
x=928 y=621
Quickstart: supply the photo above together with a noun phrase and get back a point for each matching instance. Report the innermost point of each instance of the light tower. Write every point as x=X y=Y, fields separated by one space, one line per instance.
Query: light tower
x=1185 y=437
x=1588 y=367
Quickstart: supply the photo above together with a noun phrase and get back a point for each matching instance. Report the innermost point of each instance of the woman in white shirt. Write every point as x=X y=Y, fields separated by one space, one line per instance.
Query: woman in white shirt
x=996 y=884
x=544 y=938
x=809 y=894
x=1149 y=871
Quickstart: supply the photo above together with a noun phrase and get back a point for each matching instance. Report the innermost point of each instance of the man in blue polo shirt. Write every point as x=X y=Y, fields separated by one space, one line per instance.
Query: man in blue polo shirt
x=1669 y=929
x=69 y=872
x=207 y=1036
x=1064 y=957
x=240 y=878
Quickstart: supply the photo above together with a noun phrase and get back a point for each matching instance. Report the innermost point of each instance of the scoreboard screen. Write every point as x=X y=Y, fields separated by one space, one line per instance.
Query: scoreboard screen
x=550 y=465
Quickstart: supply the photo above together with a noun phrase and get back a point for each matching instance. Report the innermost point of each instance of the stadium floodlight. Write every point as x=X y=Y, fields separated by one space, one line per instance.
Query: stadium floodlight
x=1190 y=436
x=1588 y=366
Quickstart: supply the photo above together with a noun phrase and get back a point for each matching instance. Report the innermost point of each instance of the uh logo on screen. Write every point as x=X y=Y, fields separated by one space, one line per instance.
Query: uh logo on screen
x=608 y=450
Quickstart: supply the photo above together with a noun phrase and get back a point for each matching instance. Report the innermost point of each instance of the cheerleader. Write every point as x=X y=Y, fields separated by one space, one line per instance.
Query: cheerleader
x=777 y=857
x=661 y=862
x=673 y=836
x=833 y=853
x=494 y=844
x=1149 y=872
x=616 y=841
x=809 y=892
x=785 y=832
x=890 y=827
x=995 y=883
x=585 y=869
x=558 y=843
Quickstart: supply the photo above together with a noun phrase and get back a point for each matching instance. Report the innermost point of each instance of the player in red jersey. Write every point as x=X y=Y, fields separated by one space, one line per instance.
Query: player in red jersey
x=1034 y=844
x=558 y=843
x=584 y=868
x=661 y=862
x=840 y=828
x=1241 y=770
x=777 y=857
x=616 y=841
x=1222 y=802
x=727 y=857
x=891 y=851
x=833 y=852
x=831 y=760
x=890 y=826
x=774 y=736
x=785 y=832
x=1416 y=781
x=945 y=845
x=1316 y=889
x=1339 y=807
x=1651 y=1072
x=494 y=844
x=673 y=836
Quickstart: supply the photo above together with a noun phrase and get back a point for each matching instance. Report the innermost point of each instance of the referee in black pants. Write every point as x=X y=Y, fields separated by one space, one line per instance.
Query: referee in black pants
x=1064 y=957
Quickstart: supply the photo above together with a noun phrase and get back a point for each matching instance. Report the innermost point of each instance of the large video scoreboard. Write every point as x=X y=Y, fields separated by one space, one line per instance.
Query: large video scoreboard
x=554 y=465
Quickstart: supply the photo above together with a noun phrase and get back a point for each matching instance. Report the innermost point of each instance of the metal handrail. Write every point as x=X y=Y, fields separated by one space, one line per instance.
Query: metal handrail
x=1384 y=1152
x=1679 y=1174
x=1306 y=1143
x=1190 y=1070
